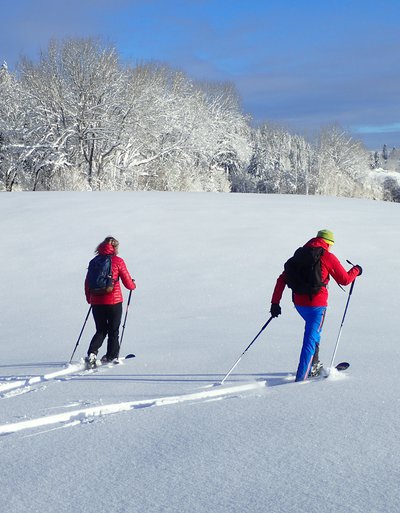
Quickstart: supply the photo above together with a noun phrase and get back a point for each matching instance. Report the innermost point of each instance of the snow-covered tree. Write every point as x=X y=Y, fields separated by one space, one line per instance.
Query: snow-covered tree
x=77 y=93
x=391 y=189
x=281 y=162
x=342 y=164
x=15 y=144
x=374 y=160
x=186 y=136
x=78 y=119
x=385 y=153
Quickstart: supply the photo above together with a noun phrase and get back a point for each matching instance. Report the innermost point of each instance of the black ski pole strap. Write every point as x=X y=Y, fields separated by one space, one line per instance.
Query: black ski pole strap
x=352 y=285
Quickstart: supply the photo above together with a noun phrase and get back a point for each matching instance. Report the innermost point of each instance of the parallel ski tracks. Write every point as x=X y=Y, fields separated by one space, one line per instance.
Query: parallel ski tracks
x=81 y=415
x=74 y=369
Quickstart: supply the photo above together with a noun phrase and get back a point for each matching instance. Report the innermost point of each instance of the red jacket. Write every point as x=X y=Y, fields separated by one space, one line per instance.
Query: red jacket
x=330 y=266
x=118 y=270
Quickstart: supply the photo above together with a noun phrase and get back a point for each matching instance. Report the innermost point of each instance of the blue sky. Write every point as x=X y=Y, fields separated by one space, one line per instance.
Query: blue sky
x=301 y=64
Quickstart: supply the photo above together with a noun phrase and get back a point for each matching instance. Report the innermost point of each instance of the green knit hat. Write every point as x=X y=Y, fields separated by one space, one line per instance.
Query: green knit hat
x=327 y=235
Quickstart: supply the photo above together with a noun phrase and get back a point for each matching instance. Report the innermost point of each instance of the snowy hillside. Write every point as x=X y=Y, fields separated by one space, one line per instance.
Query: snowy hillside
x=153 y=434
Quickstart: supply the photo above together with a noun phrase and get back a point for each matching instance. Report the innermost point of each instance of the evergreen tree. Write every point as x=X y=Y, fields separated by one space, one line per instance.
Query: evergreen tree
x=385 y=154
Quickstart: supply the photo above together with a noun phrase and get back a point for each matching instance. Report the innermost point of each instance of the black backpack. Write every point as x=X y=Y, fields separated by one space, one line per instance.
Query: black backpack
x=99 y=275
x=303 y=271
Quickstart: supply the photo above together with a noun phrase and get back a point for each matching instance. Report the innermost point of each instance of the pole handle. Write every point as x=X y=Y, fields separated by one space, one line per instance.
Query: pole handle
x=353 y=282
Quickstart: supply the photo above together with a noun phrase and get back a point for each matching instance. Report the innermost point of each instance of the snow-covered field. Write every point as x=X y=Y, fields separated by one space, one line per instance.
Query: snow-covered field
x=153 y=434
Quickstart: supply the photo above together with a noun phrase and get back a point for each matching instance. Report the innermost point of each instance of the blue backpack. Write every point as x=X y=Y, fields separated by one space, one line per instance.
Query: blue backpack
x=99 y=275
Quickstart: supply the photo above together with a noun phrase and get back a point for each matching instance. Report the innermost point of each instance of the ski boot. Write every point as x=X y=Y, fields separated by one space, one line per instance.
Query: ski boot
x=91 y=361
x=105 y=359
x=316 y=370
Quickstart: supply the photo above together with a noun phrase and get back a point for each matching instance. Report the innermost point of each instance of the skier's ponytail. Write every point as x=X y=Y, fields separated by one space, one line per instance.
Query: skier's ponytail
x=108 y=240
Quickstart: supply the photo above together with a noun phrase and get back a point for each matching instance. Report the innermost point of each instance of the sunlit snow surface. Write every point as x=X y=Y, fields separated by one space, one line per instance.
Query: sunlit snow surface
x=205 y=266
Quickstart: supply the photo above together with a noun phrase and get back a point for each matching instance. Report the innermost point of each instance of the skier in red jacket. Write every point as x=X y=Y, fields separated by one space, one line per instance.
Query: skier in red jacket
x=107 y=308
x=313 y=308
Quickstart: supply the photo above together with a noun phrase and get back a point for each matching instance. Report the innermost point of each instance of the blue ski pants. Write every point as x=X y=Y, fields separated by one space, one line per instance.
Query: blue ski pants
x=314 y=318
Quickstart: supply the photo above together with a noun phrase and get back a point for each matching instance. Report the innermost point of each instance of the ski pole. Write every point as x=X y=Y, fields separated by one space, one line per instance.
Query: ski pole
x=126 y=315
x=341 y=325
x=80 y=334
x=248 y=347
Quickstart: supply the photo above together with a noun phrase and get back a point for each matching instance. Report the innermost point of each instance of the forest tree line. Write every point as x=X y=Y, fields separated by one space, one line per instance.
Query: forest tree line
x=80 y=119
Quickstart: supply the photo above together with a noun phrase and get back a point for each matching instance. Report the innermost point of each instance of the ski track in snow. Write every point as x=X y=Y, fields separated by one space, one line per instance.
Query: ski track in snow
x=71 y=418
x=83 y=415
x=27 y=383
x=19 y=386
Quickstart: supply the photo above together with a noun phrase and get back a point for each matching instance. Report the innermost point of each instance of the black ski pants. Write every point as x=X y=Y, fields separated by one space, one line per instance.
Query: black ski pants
x=107 y=319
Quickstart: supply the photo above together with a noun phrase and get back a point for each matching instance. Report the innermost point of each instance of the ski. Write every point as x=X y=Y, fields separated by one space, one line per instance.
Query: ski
x=111 y=363
x=342 y=366
x=70 y=369
x=325 y=372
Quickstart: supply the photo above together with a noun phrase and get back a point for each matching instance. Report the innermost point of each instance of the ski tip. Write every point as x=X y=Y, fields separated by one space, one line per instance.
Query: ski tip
x=336 y=372
x=130 y=355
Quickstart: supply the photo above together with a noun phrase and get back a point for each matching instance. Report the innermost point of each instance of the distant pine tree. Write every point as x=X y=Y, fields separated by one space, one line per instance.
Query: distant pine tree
x=385 y=154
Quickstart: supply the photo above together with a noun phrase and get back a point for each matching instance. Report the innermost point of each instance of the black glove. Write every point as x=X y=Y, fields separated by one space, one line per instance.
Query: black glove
x=275 y=310
x=359 y=269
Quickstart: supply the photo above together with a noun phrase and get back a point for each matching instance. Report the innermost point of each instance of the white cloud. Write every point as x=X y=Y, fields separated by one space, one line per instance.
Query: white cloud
x=377 y=129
